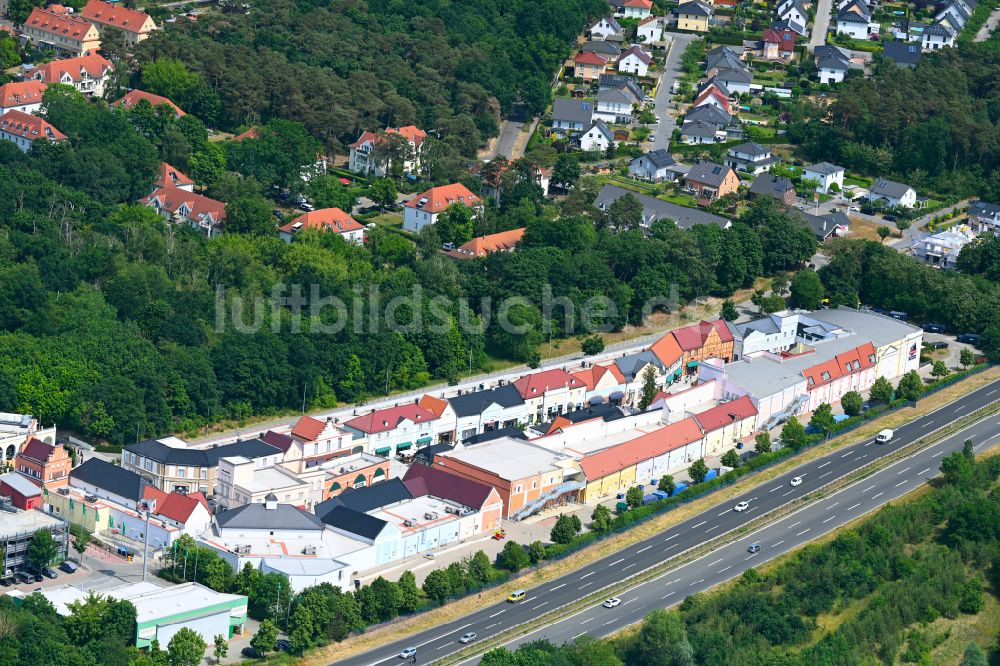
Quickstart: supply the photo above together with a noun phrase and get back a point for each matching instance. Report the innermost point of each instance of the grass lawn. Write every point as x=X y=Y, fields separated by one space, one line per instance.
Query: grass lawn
x=680 y=199
x=755 y=117
x=630 y=184
x=857 y=181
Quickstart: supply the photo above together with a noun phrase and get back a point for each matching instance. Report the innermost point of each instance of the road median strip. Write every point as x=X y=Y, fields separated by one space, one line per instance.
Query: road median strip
x=687 y=556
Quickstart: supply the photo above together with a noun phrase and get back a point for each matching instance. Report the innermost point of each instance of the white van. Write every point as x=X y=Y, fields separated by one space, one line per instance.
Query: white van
x=883 y=436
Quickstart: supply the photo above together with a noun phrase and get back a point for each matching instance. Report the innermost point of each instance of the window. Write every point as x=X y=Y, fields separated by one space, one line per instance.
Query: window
x=825 y=376
x=811 y=381
x=518 y=488
x=182 y=472
x=534 y=484
x=871 y=358
x=204 y=472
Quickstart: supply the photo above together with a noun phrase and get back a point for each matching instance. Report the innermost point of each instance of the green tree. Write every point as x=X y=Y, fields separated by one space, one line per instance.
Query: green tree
x=762 y=443
x=263 y=640
x=771 y=304
x=648 y=391
x=329 y=192
x=966 y=357
x=698 y=470
x=729 y=311
x=793 y=435
x=592 y=345
x=437 y=584
x=662 y=639
x=454 y=225
x=852 y=403
x=974 y=656
x=807 y=290
x=536 y=551
x=512 y=557
x=480 y=568
x=302 y=628
x=731 y=459
x=625 y=213
x=884 y=232
x=600 y=518
x=409 y=592
x=42 y=550
x=822 y=419
x=565 y=529
x=220 y=648
x=940 y=370
x=667 y=484
x=19 y=10
x=186 y=648
x=902 y=225
x=566 y=171
x=81 y=539
x=911 y=386
x=382 y=192
x=881 y=391
x=633 y=496
x=250 y=215
x=386 y=598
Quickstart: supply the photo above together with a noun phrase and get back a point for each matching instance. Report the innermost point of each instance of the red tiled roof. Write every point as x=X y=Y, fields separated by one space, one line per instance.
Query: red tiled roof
x=598 y=465
x=648 y=19
x=437 y=199
x=695 y=335
x=667 y=350
x=251 y=133
x=383 y=420
x=95 y=65
x=21 y=92
x=592 y=376
x=644 y=4
x=36 y=449
x=172 y=198
x=434 y=405
x=590 y=58
x=712 y=91
x=726 y=413
x=63 y=25
x=118 y=16
x=133 y=97
x=411 y=133
x=171 y=176
x=837 y=366
x=277 y=440
x=324 y=219
x=308 y=428
x=423 y=480
x=174 y=506
x=484 y=245
x=27 y=126
x=536 y=384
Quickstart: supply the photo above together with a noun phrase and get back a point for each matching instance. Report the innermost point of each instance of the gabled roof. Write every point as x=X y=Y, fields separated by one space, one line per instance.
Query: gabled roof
x=715 y=93
x=354 y=522
x=611 y=22
x=424 y=480
x=368 y=498
x=63 y=25
x=29 y=127
x=411 y=133
x=708 y=173
x=259 y=517
x=172 y=455
x=641 y=4
x=277 y=440
x=603 y=128
x=984 y=209
x=602 y=47
x=902 y=53
x=772 y=186
x=572 y=110
x=638 y=53
x=476 y=402
x=657 y=209
x=695 y=9
x=694 y=336
x=726 y=414
x=624 y=83
x=535 y=385
x=710 y=114
x=845 y=15
x=750 y=148
x=733 y=75
x=791 y=25
x=169 y=176
x=590 y=58
x=437 y=199
x=592 y=376
x=631 y=365
x=384 y=420
x=491 y=435
x=823 y=168
x=20 y=484
x=837 y=366
x=824 y=225
x=833 y=63
x=324 y=219
x=18 y=93
x=659 y=158
x=940 y=30
x=116 y=15
x=36 y=449
x=775 y=36
x=698 y=128
x=171 y=199
x=307 y=428
x=484 y=245
x=888 y=188
x=667 y=350
x=176 y=506
x=133 y=97
x=110 y=478
x=599 y=465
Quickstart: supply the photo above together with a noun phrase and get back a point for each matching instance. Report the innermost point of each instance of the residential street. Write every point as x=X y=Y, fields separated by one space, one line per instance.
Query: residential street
x=821 y=23
x=988 y=27
x=510 y=130
x=664 y=99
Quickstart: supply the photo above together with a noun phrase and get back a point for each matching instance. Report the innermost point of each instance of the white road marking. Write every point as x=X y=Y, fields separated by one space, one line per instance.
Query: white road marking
x=868 y=488
x=847 y=454
x=695 y=582
x=557 y=587
x=803 y=532
x=771 y=491
x=578 y=635
x=672 y=536
x=788 y=493
x=797 y=522
x=937 y=454
x=609 y=622
x=901 y=471
x=643 y=550
x=832 y=505
x=498 y=613
x=626 y=603
x=779 y=543
x=673 y=545
x=694 y=527
x=854 y=506
x=825 y=474
x=858 y=458
x=493 y=625
x=711 y=528
x=715 y=562
x=617 y=562
x=924 y=471
x=876 y=496
x=589 y=574
x=724 y=569
x=668 y=594
x=991 y=392
x=749 y=557
x=586 y=621
x=725 y=512
x=900 y=483
x=959 y=408
x=629 y=566
x=824 y=464
x=540 y=605
x=829 y=519
x=586 y=584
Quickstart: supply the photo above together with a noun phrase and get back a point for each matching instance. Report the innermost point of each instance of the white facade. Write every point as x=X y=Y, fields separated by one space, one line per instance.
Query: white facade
x=493 y=417
x=858 y=30
x=631 y=64
x=934 y=42
x=831 y=74
x=595 y=139
x=604 y=28
x=650 y=32
x=414 y=219
x=825 y=178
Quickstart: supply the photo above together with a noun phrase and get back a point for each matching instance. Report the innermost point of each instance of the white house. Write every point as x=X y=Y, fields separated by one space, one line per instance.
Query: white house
x=736 y=80
x=633 y=60
x=774 y=333
x=794 y=12
x=750 y=158
x=826 y=174
x=88 y=74
x=854 y=24
x=639 y=9
x=613 y=106
x=597 y=137
x=424 y=208
x=572 y=114
x=654 y=165
x=329 y=220
x=362 y=157
x=605 y=28
x=892 y=193
x=23 y=129
x=650 y=29
x=832 y=68
x=23 y=96
x=937 y=36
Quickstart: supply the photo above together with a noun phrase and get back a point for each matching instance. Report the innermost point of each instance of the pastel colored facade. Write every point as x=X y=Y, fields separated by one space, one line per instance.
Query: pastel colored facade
x=589 y=66
x=327 y=220
x=602 y=381
x=133 y=24
x=724 y=181
x=363 y=155
x=67 y=35
x=46 y=465
x=393 y=430
x=693 y=16
x=356 y=471
x=727 y=425
x=637 y=9
x=88 y=74
x=424 y=208
x=181 y=206
x=132 y=98
x=23 y=96
x=23 y=130
x=549 y=393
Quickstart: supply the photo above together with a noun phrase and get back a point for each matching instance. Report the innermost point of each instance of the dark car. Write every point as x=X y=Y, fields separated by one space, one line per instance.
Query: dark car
x=24 y=577
x=49 y=572
x=889 y=218
x=68 y=567
x=281 y=645
x=251 y=653
x=933 y=328
x=969 y=338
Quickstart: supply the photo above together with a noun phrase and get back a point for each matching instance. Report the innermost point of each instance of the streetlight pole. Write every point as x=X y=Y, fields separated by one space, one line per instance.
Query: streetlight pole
x=149 y=506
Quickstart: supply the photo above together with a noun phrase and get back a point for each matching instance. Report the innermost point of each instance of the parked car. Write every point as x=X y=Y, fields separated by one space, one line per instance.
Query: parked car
x=49 y=572
x=36 y=577
x=933 y=328
x=969 y=338
x=889 y=218
x=742 y=506
x=68 y=567
x=251 y=653
x=448 y=246
x=282 y=645
x=468 y=637
x=612 y=602
x=308 y=207
x=408 y=653
x=940 y=344
x=753 y=548
x=652 y=137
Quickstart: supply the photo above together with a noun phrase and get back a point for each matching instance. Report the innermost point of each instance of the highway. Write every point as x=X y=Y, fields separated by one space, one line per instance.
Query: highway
x=728 y=561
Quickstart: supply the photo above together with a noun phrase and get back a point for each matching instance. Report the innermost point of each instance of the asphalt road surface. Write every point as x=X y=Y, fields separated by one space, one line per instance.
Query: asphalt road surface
x=727 y=561
x=664 y=99
x=821 y=23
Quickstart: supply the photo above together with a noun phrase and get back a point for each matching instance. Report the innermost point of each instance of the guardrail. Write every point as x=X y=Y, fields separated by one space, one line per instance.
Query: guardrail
x=689 y=555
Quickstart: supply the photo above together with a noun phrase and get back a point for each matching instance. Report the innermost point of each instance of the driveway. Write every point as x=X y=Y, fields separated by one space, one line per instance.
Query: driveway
x=916 y=228
x=987 y=29
x=821 y=23
x=664 y=99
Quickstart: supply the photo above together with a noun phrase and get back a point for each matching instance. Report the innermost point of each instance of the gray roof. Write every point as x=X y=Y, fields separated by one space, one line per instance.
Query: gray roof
x=823 y=225
x=111 y=478
x=259 y=517
x=717 y=82
x=845 y=15
x=354 y=522
x=738 y=75
x=602 y=47
x=824 y=168
x=624 y=83
x=750 y=148
x=632 y=364
x=764 y=325
x=888 y=188
x=708 y=173
x=710 y=114
x=724 y=57
x=476 y=402
x=791 y=25
x=611 y=21
x=698 y=128
x=879 y=329
x=694 y=9
x=639 y=53
x=171 y=455
x=614 y=96
x=603 y=128
x=833 y=63
x=572 y=110
x=829 y=50
x=657 y=209
x=902 y=53
x=368 y=498
x=984 y=209
x=938 y=29
x=490 y=435
x=20 y=484
x=772 y=186
x=659 y=158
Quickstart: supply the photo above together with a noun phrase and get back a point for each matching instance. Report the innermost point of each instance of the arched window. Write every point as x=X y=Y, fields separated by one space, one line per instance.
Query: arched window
x=379 y=473
x=360 y=481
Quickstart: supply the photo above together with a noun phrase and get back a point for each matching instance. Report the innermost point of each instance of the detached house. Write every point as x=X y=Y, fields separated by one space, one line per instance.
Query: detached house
x=24 y=96
x=650 y=29
x=133 y=24
x=47 y=465
x=653 y=166
x=793 y=11
x=936 y=36
x=23 y=130
x=613 y=106
x=694 y=16
x=169 y=176
x=572 y=114
x=826 y=175
x=778 y=44
x=364 y=162
x=639 y=9
x=180 y=206
x=750 y=157
x=133 y=97
x=735 y=79
x=832 y=63
x=902 y=54
x=62 y=32
x=983 y=216
x=606 y=27
x=597 y=137
x=892 y=194
x=776 y=187
x=704 y=340
x=854 y=20
x=711 y=180
x=424 y=208
x=88 y=74
x=330 y=220
x=589 y=65
x=634 y=60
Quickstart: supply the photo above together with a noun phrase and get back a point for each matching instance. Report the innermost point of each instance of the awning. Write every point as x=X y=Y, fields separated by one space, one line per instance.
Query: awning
x=383 y=450
x=596 y=400
x=424 y=440
x=692 y=364
x=617 y=395
x=405 y=445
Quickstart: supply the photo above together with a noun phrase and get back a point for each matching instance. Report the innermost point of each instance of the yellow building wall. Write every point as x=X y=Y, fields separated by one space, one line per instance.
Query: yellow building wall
x=692 y=23
x=611 y=484
x=88 y=517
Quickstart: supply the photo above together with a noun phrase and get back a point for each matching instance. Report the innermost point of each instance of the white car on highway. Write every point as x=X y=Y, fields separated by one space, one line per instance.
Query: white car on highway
x=612 y=602
x=408 y=653
x=797 y=481
x=467 y=638
x=742 y=506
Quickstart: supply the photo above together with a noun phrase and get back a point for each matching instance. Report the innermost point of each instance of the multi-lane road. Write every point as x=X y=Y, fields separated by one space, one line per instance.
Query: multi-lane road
x=807 y=523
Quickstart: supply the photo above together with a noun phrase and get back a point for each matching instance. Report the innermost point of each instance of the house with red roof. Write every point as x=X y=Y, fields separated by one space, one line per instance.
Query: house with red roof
x=46 y=465
x=706 y=339
x=637 y=9
x=424 y=208
x=55 y=28
x=132 y=98
x=601 y=381
x=548 y=393
x=326 y=220
x=23 y=96
x=589 y=66
x=106 y=17
x=169 y=176
x=727 y=424
x=364 y=158
x=503 y=241
x=88 y=74
x=311 y=442
x=23 y=130
x=394 y=430
x=641 y=461
x=180 y=206
x=711 y=94
x=670 y=354
x=778 y=43
x=481 y=499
